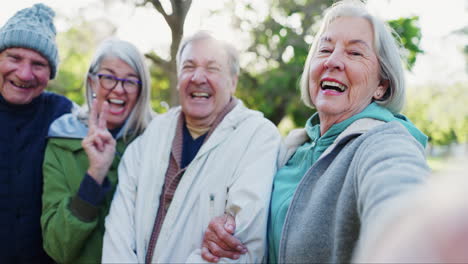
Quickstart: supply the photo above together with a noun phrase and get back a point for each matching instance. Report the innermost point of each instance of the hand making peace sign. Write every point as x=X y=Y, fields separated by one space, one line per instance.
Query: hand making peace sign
x=99 y=143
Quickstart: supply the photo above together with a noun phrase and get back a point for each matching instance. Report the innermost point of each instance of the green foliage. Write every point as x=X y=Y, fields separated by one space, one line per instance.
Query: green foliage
x=160 y=89
x=280 y=44
x=76 y=47
x=409 y=33
x=280 y=48
x=440 y=112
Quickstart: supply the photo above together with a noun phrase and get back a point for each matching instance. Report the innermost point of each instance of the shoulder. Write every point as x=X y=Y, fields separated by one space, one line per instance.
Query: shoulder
x=57 y=101
x=159 y=129
x=388 y=142
x=68 y=126
x=243 y=116
x=56 y=105
x=160 y=121
x=62 y=145
x=382 y=134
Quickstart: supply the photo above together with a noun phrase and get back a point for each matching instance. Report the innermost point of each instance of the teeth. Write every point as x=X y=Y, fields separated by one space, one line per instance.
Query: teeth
x=206 y=95
x=24 y=86
x=340 y=86
x=116 y=101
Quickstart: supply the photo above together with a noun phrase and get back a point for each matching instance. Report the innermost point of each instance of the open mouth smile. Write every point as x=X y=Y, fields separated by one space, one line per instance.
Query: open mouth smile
x=22 y=86
x=116 y=106
x=331 y=85
x=200 y=95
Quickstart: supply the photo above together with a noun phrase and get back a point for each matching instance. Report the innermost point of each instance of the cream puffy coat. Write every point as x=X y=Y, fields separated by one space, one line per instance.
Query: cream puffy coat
x=232 y=172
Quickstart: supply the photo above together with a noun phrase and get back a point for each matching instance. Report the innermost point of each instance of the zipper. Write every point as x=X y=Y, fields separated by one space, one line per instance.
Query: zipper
x=212 y=201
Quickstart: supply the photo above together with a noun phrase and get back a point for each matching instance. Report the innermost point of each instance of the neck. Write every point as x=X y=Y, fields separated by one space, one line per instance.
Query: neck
x=199 y=123
x=196 y=132
x=327 y=121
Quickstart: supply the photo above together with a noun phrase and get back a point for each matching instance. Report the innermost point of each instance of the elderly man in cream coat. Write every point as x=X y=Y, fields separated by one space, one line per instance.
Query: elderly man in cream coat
x=210 y=156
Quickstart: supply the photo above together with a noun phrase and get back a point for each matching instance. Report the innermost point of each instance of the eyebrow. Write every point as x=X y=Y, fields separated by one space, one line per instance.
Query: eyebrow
x=127 y=75
x=188 y=61
x=209 y=62
x=42 y=61
x=353 y=41
x=359 y=41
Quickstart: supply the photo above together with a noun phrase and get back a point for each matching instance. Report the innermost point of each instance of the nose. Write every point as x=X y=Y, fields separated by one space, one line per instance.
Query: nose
x=199 y=76
x=25 y=72
x=335 y=61
x=119 y=88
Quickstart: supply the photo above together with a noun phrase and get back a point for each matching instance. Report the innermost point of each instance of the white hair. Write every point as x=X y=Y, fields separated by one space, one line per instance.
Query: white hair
x=385 y=45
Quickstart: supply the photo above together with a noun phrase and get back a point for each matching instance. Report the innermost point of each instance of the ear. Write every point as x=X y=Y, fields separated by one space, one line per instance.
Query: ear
x=381 y=89
x=234 y=84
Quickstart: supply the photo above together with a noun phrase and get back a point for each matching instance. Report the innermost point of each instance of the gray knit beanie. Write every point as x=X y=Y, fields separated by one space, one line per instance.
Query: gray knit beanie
x=32 y=28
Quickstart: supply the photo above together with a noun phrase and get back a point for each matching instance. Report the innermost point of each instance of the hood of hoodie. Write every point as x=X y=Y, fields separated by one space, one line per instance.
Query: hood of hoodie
x=70 y=126
x=381 y=113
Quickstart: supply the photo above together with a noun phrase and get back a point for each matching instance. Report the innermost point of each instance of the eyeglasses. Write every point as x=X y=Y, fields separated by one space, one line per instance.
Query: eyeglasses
x=109 y=82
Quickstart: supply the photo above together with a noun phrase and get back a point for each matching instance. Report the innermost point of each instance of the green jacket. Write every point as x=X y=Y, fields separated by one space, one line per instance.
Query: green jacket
x=72 y=228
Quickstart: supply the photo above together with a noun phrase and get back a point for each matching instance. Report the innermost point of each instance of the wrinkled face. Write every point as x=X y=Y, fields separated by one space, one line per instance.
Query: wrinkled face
x=121 y=102
x=24 y=75
x=344 y=73
x=205 y=82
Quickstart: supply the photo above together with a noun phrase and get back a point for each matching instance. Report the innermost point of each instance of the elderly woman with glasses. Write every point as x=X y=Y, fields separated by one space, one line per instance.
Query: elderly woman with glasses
x=347 y=173
x=84 y=150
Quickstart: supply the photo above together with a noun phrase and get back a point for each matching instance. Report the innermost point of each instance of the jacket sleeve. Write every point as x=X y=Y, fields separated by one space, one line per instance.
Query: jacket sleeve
x=119 y=238
x=249 y=194
x=64 y=233
x=391 y=168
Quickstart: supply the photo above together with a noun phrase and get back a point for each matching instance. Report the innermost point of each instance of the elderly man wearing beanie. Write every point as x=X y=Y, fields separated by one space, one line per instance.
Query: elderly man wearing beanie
x=28 y=59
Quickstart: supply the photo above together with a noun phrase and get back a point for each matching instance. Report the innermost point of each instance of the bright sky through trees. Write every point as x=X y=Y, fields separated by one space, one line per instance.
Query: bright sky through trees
x=442 y=62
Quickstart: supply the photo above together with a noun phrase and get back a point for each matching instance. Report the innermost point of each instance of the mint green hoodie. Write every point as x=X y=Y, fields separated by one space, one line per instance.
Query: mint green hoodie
x=288 y=177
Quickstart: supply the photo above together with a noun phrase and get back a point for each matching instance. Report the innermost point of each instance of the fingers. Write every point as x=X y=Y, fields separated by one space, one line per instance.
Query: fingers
x=98 y=115
x=100 y=139
x=93 y=112
x=230 y=224
x=225 y=233
x=102 y=119
x=206 y=255
x=213 y=252
x=219 y=240
x=211 y=236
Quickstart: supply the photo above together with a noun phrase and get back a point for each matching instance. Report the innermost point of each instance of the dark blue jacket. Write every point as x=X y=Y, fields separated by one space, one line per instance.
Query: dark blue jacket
x=23 y=131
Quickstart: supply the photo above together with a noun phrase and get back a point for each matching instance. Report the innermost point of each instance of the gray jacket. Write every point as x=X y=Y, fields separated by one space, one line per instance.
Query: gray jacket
x=356 y=186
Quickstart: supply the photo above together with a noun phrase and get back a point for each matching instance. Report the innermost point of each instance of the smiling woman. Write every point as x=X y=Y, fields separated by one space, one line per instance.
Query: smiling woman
x=121 y=94
x=352 y=166
x=82 y=155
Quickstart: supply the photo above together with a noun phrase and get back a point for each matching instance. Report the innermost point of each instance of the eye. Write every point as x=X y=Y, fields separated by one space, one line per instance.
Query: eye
x=14 y=57
x=355 y=53
x=107 y=77
x=39 y=64
x=213 y=68
x=131 y=82
x=188 y=67
x=325 y=50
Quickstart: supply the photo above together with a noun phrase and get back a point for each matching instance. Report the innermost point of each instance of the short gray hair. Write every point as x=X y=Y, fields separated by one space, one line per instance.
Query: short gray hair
x=387 y=50
x=231 y=51
x=142 y=112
